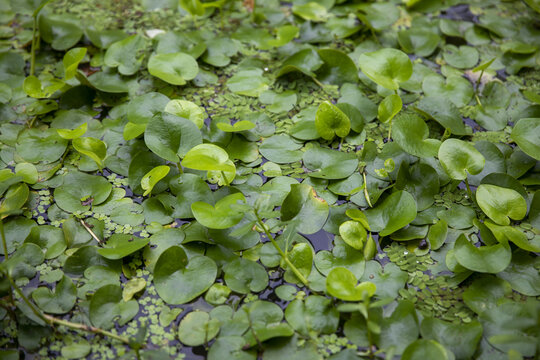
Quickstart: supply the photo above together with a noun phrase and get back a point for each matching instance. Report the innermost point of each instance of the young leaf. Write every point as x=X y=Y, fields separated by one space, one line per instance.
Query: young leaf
x=94 y=148
x=342 y=284
x=151 y=178
x=389 y=107
x=331 y=121
x=459 y=157
x=387 y=67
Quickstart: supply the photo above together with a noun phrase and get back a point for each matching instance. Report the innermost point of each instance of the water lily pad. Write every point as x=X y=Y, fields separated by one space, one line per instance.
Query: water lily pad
x=395 y=212
x=173 y=68
x=457 y=89
x=188 y=110
x=459 y=158
x=126 y=54
x=353 y=233
x=329 y=164
x=387 y=67
x=525 y=133
x=107 y=307
x=313 y=314
x=331 y=121
x=462 y=339
x=197 y=328
x=121 y=245
x=221 y=216
x=37 y=145
x=411 y=133
x=249 y=82
x=73 y=197
x=60 y=301
x=485 y=259
x=463 y=57
x=425 y=349
x=244 y=276
x=342 y=283
x=501 y=204
x=281 y=149
x=178 y=280
x=305 y=208
x=171 y=137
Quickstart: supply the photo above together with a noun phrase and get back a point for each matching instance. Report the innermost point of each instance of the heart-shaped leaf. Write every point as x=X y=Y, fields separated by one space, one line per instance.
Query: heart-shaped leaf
x=459 y=158
x=501 y=204
x=306 y=61
x=71 y=61
x=411 y=133
x=173 y=68
x=526 y=133
x=121 y=245
x=305 y=208
x=331 y=121
x=342 y=284
x=485 y=259
x=188 y=110
x=425 y=349
x=178 y=280
x=171 y=137
x=208 y=157
x=107 y=307
x=456 y=88
x=250 y=82
x=126 y=54
x=329 y=164
x=353 y=233
x=73 y=197
x=151 y=178
x=389 y=107
x=197 y=328
x=238 y=126
x=221 y=216
x=60 y=301
x=94 y=148
x=243 y=276
x=395 y=212
x=387 y=67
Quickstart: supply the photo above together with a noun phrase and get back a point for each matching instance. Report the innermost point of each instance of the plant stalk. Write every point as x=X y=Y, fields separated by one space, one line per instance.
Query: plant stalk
x=76 y=326
x=469 y=189
x=283 y=255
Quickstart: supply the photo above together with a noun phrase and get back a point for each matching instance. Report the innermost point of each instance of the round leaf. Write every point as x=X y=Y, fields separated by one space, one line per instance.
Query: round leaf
x=501 y=204
x=387 y=67
x=173 y=68
x=459 y=157
x=342 y=284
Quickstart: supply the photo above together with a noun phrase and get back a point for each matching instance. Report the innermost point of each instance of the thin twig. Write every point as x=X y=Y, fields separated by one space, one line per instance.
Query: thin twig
x=100 y=242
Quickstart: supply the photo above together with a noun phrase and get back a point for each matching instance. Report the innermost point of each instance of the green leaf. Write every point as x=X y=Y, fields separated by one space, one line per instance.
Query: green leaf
x=238 y=126
x=387 y=67
x=501 y=204
x=395 y=212
x=121 y=245
x=485 y=259
x=411 y=133
x=197 y=328
x=35 y=145
x=142 y=108
x=418 y=41
x=329 y=164
x=314 y=314
x=151 y=178
x=107 y=307
x=73 y=197
x=456 y=88
x=308 y=211
x=306 y=61
x=73 y=134
x=178 y=280
x=437 y=234
x=342 y=284
x=221 y=216
x=33 y=87
x=460 y=338
x=250 y=82
x=208 y=157
x=281 y=149
x=388 y=280
x=311 y=11
x=459 y=158
x=188 y=110
x=13 y=199
x=71 y=61
x=425 y=349
x=171 y=137
x=338 y=68
x=94 y=148
x=193 y=7
x=62 y=31
x=244 y=276
x=331 y=121
x=126 y=55
x=354 y=234
x=389 y=107
x=173 y=68
x=60 y=301
x=526 y=133
x=443 y=111
x=301 y=256
x=49 y=238
x=463 y=57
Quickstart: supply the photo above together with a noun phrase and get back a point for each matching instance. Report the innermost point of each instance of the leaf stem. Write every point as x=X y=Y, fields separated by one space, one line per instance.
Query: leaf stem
x=283 y=255
x=390 y=130
x=469 y=189
x=76 y=326
x=366 y=194
x=6 y=255
x=476 y=88
x=33 y=49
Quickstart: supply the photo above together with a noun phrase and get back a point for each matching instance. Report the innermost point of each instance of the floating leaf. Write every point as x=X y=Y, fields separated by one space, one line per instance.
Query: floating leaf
x=305 y=208
x=107 y=307
x=459 y=158
x=197 y=328
x=387 y=67
x=94 y=148
x=526 y=133
x=331 y=121
x=353 y=233
x=151 y=178
x=501 y=204
x=342 y=283
x=186 y=109
x=121 y=245
x=221 y=216
x=60 y=301
x=395 y=212
x=173 y=68
x=486 y=259
x=178 y=280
